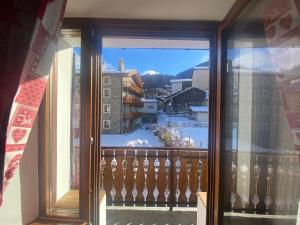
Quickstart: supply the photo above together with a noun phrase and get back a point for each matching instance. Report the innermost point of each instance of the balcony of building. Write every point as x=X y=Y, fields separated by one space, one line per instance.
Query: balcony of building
x=131 y=115
x=133 y=101
x=132 y=87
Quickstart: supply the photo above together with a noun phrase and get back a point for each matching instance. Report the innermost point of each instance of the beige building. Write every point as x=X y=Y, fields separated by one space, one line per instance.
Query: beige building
x=201 y=77
x=121 y=100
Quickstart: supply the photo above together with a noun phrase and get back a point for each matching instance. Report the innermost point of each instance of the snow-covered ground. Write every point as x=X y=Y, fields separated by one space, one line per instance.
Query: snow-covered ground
x=139 y=137
x=185 y=127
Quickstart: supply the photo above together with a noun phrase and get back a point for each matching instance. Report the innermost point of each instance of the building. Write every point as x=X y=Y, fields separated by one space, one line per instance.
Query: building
x=121 y=100
x=150 y=110
x=182 y=100
x=180 y=84
x=155 y=93
x=200 y=77
x=200 y=113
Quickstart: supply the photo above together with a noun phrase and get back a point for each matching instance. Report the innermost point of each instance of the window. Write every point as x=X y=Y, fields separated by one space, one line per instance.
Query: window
x=106 y=124
x=63 y=143
x=265 y=110
x=106 y=93
x=107 y=80
x=264 y=93
x=261 y=160
x=106 y=108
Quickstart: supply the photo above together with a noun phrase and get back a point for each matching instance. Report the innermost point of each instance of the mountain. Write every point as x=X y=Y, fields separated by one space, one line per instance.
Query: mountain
x=189 y=72
x=160 y=80
x=156 y=81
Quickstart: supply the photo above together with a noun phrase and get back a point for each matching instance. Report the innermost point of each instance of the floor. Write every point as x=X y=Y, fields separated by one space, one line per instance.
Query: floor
x=150 y=217
x=69 y=201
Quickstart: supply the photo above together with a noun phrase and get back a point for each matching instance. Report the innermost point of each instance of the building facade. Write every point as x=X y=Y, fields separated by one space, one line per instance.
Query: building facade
x=150 y=110
x=182 y=100
x=121 y=101
x=180 y=84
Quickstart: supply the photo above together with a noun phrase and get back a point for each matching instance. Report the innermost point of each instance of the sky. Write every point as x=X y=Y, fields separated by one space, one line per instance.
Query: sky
x=151 y=61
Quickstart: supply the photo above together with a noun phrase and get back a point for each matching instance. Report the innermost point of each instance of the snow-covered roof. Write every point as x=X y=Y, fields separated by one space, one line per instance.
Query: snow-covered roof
x=167 y=98
x=199 y=108
x=149 y=100
x=180 y=80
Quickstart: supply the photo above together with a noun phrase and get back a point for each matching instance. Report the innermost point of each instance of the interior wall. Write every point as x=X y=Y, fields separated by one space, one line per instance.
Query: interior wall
x=21 y=199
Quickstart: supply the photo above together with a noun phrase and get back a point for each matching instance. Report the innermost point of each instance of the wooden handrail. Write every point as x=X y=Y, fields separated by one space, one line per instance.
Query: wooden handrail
x=147 y=173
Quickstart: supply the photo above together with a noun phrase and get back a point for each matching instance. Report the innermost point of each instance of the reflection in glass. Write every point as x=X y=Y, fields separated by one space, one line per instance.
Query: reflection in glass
x=262 y=115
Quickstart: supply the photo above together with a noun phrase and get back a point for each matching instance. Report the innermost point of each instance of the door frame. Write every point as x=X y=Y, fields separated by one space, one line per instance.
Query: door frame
x=215 y=206
x=159 y=29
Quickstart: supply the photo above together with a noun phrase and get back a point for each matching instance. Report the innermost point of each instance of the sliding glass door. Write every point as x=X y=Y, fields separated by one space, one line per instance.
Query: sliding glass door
x=261 y=169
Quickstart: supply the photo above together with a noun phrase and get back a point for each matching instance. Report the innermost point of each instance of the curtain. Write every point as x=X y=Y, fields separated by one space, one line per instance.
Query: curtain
x=28 y=36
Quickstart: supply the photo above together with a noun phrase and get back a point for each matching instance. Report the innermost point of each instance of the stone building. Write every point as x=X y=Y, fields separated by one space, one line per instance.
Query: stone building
x=121 y=100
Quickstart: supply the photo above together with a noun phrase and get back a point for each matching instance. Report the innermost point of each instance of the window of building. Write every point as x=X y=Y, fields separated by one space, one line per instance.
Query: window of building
x=106 y=80
x=106 y=93
x=264 y=93
x=106 y=108
x=150 y=107
x=106 y=124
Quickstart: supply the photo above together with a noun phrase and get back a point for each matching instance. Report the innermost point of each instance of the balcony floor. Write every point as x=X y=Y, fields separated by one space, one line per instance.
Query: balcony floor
x=150 y=216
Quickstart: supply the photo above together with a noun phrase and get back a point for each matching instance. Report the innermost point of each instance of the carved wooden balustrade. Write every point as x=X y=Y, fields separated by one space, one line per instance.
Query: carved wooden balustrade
x=146 y=176
x=262 y=182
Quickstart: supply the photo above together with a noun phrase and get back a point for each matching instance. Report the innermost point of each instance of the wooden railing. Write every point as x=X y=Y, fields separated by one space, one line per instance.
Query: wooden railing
x=131 y=115
x=133 y=87
x=132 y=101
x=262 y=182
x=153 y=176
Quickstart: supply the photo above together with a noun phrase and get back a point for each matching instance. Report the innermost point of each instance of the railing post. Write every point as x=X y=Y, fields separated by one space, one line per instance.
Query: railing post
x=171 y=199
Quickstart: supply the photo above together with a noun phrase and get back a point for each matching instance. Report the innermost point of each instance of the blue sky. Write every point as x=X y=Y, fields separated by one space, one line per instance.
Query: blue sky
x=164 y=61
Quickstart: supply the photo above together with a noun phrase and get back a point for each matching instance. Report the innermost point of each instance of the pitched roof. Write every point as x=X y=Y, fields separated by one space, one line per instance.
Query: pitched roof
x=167 y=98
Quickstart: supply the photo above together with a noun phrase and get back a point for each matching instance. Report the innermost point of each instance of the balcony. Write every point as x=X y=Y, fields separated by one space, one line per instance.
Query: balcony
x=131 y=115
x=132 y=101
x=131 y=86
x=157 y=177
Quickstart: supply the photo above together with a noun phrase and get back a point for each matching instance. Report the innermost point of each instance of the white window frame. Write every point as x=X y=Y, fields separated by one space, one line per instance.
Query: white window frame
x=104 y=121
x=104 y=105
x=105 y=79
x=104 y=90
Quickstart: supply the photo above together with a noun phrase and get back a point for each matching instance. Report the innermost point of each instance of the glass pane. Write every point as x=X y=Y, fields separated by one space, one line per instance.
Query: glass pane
x=261 y=165
x=64 y=145
x=154 y=127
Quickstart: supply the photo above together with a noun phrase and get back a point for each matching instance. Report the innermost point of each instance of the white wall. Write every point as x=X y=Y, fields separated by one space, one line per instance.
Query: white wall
x=21 y=200
x=176 y=86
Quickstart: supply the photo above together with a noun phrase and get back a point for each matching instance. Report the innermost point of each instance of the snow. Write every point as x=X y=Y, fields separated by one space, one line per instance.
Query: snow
x=199 y=108
x=186 y=128
x=151 y=100
x=180 y=80
x=139 y=137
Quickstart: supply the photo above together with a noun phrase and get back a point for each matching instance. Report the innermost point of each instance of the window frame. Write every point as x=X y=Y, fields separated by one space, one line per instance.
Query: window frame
x=106 y=77
x=109 y=106
x=105 y=96
x=104 y=127
x=161 y=29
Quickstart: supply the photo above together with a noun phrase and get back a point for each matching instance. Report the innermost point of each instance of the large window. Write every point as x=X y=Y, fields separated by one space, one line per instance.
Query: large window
x=63 y=106
x=261 y=159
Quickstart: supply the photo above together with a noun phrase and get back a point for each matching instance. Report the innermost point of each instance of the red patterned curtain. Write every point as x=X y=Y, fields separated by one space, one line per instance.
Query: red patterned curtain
x=28 y=36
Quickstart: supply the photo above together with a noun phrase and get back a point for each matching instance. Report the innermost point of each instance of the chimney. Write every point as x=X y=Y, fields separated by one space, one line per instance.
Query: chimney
x=121 y=65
